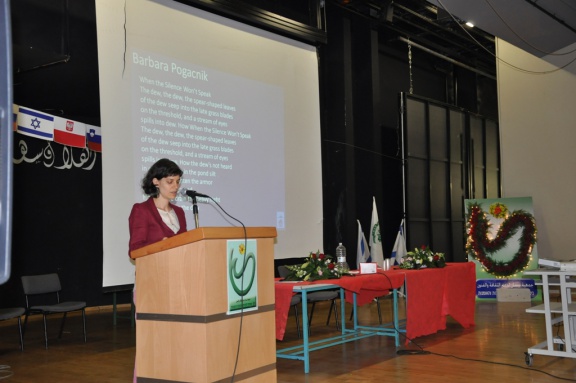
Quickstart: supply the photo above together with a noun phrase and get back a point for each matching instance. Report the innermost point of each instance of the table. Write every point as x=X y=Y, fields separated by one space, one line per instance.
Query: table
x=351 y=288
x=367 y=287
x=432 y=295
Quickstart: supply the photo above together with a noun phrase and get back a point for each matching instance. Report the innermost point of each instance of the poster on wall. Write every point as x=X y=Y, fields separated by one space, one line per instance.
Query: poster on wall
x=501 y=240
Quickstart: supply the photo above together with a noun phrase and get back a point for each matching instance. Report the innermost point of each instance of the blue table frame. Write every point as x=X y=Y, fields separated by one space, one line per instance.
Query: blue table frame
x=302 y=351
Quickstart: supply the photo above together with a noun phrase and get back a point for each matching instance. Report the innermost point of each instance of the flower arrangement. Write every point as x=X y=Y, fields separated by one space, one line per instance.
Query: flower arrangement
x=422 y=258
x=317 y=266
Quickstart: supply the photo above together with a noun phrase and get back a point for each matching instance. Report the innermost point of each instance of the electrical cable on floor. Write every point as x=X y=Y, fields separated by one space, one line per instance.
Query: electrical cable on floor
x=420 y=351
x=4 y=372
x=412 y=352
x=504 y=364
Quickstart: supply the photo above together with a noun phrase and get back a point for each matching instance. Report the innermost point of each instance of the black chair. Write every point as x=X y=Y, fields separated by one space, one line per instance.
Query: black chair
x=318 y=296
x=48 y=286
x=377 y=301
x=294 y=301
x=323 y=296
x=388 y=295
x=11 y=313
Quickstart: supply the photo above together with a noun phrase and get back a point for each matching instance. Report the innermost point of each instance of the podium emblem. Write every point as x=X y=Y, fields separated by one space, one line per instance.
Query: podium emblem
x=242 y=276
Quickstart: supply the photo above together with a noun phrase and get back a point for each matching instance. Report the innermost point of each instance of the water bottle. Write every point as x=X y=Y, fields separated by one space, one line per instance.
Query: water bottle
x=341 y=263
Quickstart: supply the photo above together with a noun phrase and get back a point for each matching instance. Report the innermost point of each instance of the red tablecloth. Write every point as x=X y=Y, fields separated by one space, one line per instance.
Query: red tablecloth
x=367 y=287
x=432 y=294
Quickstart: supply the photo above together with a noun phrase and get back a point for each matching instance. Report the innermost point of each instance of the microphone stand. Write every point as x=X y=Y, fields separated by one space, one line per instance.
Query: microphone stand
x=195 y=211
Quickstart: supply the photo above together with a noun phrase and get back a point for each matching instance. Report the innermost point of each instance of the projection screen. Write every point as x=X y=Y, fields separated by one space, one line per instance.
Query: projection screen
x=236 y=107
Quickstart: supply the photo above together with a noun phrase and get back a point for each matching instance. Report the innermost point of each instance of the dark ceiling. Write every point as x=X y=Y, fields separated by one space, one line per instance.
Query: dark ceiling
x=42 y=27
x=428 y=27
x=540 y=27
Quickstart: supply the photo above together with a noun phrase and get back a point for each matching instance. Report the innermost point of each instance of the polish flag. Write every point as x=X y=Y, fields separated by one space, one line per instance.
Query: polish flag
x=68 y=132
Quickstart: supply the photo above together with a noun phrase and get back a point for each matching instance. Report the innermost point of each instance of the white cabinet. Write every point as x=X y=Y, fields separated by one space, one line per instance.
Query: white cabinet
x=562 y=312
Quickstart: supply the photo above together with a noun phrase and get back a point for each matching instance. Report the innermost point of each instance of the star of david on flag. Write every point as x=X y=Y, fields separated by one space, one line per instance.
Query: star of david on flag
x=36 y=124
x=399 y=249
x=362 y=251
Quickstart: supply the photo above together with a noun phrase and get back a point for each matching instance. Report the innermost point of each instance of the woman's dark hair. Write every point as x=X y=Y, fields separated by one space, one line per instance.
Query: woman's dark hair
x=162 y=168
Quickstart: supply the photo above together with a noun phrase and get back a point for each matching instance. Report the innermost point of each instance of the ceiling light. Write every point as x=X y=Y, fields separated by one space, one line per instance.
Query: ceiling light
x=470 y=24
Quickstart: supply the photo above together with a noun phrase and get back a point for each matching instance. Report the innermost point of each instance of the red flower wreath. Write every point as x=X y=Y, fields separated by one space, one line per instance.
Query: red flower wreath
x=480 y=247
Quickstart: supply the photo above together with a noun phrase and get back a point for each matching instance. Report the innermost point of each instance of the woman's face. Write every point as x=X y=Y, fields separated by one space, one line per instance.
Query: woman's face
x=167 y=187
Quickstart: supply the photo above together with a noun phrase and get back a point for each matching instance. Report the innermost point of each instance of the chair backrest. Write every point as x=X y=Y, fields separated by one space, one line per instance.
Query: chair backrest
x=41 y=284
x=283 y=271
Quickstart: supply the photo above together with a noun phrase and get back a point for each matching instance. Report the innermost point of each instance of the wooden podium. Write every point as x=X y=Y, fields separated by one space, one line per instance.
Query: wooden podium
x=183 y=331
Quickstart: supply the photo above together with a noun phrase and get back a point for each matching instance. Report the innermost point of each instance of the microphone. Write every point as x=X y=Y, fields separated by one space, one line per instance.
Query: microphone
x=192 y=193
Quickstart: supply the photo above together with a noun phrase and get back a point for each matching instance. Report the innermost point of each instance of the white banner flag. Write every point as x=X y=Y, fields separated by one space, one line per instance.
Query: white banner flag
x=375 y=239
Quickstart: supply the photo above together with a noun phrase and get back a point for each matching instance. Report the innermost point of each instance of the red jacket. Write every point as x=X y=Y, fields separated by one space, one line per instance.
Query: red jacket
x=146 y=225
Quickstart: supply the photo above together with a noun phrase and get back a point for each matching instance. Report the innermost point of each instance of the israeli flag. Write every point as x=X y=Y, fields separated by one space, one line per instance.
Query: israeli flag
x=399 y=250
x=36 y=124
x=362 y=251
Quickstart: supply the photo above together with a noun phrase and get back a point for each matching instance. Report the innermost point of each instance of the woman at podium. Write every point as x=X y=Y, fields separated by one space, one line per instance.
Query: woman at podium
x=157 y=218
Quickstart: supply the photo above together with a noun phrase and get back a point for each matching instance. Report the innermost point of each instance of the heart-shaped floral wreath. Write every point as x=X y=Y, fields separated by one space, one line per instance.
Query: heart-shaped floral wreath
x=480 y=247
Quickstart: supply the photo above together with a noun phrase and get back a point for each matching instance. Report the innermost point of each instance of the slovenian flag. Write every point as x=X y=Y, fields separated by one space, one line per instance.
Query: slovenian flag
x=36 y=124
x=94 y=137
x=399 y=250
x=68 y=132
x=362 y=251
x=376 y=251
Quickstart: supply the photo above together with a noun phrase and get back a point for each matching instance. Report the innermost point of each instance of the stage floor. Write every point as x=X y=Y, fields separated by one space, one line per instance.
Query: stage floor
x=493 y=350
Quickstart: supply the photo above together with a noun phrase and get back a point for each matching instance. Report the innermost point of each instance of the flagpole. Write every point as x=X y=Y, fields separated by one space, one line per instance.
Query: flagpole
x=403 y=161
